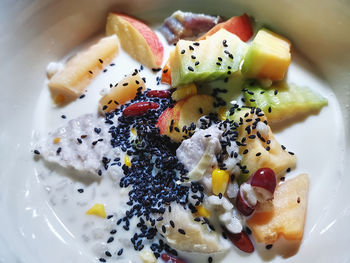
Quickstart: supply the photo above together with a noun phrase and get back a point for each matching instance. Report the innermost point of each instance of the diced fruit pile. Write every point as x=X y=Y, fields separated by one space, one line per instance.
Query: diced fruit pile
x=220 y=53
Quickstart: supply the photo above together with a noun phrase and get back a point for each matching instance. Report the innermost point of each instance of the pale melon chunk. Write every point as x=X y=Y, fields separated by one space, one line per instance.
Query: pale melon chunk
x=125 y=90
x=287 y=218
x=70 y=82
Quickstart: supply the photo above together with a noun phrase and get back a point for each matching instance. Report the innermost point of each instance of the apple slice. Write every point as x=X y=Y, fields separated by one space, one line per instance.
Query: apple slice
x=238 y=25
x=287 y=218
x=185 y=112
x=125 y=90
x=137 y=39
x=70 y=82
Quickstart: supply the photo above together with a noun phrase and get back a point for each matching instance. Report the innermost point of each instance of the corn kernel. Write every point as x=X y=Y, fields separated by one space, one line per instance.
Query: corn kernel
x=133 y=131
x=184 y=92
x=222 y=113
x=97 y=210
x=219 y=181
x=56 y=140
x=127 y=160
x=202 y=211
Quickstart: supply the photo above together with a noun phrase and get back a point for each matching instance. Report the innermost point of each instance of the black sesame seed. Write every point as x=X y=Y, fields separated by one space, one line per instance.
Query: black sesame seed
x=102 y=260
x=120 y=252
x=36 y=152
x=181 y=231
x=190 y=68
x=268 y=246
x=80 y=190
x=110 y=240
x=267 y=148
x=275 y=92
x=288 y=169
x=59 y=149
x=91 y=72
x=282 y=179
x=108 y=254
x=269 y=109
x=172 y=223
x=193 y=56
x=63 y=116
x=258 y=154
x=196 y=63
x=183 y=51
x=210 y=259
x=291 y=153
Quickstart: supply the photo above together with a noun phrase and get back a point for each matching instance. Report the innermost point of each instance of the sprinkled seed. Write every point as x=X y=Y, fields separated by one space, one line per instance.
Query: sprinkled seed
x=224 y=43
x=200 y=110
x=258 y=154
x=269 y=109
x=80 y=190
x=110 y=240
x=59 y=149
x=102 y=260
x=282 y=179
x=82 y=96
x=79 y=140
x=275 y=92
x=104 y=107
x=267 y=148
x=190 y=68
x=245 y=151
x=220 y=58
x=193 y=56
x=125 y=84
x=36 y=152
x=288 y=170
x=190 y=47
x=105 y=70
x=172 y=223
x=63 y=116
x=291 y=153
x=181 y=231
x=183 y=51
x=91 y=72
x=210 y=259
x=120 y=252
x=197 y=63
x=283 y=147
x=196 y=44
x=100 y=60
x=268 y=246
x=218 y=63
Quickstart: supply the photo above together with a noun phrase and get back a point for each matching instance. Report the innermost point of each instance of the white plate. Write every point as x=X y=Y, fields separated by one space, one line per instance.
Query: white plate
x=36 y=32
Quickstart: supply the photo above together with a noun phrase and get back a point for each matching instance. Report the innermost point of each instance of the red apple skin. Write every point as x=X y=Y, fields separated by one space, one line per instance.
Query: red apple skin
x=164 y=120
x=243 y=206
x=148 y=34
x=238 y=25
x=264 y=178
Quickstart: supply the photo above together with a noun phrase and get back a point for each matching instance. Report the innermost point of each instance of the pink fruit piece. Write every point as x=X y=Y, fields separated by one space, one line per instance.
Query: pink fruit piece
x=263 y=182
x=243 y=205
x=139 y=108
x=158 y=94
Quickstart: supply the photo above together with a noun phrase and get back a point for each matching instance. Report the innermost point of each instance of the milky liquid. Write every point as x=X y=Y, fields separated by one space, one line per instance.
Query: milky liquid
x=305 y=138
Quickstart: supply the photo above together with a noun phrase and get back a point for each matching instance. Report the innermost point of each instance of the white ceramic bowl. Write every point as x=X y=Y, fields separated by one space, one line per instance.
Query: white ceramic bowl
x=33 y=33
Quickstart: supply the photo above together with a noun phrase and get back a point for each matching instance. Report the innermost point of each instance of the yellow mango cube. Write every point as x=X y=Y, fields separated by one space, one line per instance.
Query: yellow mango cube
x=219 y=181
x=184 y=92
x=97 y=210
x=268 y=56
x=127 y=160
x=202 y=211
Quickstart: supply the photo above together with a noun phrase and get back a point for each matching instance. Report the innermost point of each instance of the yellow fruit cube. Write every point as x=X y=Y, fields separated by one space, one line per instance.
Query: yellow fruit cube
x=127 y=160
x=202 y=211
x=287 y=217
x=97 y=210
x=219 y=181
x=184 y=92
x=268 y=57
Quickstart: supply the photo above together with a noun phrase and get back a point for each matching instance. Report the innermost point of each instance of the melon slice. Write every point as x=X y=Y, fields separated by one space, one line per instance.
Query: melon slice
x=70 y=82
x=287 y=218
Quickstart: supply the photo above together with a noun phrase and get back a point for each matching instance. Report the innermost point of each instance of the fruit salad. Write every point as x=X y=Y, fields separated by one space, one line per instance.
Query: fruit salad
x=176 y=160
